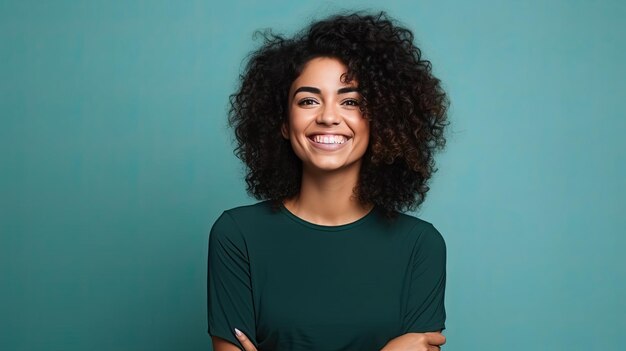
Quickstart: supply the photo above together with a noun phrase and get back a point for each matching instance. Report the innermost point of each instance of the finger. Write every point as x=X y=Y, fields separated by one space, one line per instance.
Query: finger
x=435 y=339
x=245 y=342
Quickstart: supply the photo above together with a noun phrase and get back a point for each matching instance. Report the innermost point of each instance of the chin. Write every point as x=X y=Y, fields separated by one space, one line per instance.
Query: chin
x=329 y=166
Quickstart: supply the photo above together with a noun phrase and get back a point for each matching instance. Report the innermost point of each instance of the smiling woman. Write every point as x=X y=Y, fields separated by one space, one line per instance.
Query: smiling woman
x=338 y=127
x=324 y=116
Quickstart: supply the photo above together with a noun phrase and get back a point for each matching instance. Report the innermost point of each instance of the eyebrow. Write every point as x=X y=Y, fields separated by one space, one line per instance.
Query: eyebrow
x=317 y=91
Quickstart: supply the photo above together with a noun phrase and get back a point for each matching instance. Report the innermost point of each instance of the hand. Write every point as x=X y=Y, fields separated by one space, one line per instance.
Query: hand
x=245 y=342
x=416 y=342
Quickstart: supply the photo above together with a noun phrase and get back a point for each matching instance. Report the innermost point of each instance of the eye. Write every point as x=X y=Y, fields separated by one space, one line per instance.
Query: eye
x=351 y=102
x=307 y=102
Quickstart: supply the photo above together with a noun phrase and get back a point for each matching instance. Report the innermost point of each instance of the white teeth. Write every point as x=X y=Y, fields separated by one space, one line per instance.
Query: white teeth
x=329 y=139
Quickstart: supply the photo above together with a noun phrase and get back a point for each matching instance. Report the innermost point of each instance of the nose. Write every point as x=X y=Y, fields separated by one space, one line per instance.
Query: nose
x=329 y=115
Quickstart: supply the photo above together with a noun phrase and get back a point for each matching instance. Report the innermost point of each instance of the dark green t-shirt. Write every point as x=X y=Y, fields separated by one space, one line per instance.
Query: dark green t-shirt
x=293 y=285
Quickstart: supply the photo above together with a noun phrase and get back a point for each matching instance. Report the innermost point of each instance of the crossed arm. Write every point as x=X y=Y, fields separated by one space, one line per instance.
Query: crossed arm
x=226 y=254
x=430 y=341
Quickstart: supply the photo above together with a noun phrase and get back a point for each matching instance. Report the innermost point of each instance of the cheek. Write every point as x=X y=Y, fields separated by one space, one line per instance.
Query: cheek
x=365 y=144
x=296 y=130
x=298 y=121
x=298 y=148
x=364 y=129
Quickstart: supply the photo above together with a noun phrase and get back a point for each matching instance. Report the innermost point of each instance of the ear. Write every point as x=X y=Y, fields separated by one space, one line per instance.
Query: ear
x=284 y=130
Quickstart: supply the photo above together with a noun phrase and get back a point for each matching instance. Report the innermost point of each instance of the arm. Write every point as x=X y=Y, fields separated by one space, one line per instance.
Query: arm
x=220 y=344
x=223 y=345
x=416 y=342
x=425 y=309
x=425 y=317
x=229 y=289
x=407 y=342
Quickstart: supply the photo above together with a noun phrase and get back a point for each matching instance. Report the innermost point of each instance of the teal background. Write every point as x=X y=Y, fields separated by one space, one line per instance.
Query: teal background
x=116 y=160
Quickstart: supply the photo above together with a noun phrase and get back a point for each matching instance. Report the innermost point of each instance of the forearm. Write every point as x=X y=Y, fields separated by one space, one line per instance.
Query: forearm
x=220 y=344
x=415 y=341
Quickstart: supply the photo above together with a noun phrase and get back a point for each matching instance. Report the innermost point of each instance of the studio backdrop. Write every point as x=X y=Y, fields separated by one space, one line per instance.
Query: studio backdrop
x=115 y=159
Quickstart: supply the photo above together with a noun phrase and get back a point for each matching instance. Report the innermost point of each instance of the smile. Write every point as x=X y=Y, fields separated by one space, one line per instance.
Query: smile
x=328 y=142
x=329 y=138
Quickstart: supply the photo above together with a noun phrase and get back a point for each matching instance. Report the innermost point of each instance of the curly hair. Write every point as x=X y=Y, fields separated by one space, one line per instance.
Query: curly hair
x=404 y=102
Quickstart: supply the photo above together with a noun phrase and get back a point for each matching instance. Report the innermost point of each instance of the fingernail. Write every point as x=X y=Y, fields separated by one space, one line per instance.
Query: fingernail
x=238 y=332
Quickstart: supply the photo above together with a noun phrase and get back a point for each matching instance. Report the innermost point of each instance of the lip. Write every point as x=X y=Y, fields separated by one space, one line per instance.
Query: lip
x=327 y=147
x=329 y=133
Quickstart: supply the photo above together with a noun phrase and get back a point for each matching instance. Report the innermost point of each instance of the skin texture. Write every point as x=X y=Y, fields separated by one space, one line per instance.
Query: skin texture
x=329 y=177
x=321 y=103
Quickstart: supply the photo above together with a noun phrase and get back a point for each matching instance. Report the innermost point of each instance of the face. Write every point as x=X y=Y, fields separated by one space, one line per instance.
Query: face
x=327 y=129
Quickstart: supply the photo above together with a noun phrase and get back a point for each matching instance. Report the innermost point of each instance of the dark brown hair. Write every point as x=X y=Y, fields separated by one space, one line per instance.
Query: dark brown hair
x=404 y=102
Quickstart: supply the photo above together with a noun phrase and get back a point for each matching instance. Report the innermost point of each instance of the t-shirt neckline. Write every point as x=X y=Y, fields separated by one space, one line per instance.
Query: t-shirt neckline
x=333 y=228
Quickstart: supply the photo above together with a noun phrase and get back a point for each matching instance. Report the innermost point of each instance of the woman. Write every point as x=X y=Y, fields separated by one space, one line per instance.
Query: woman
x=338 y=127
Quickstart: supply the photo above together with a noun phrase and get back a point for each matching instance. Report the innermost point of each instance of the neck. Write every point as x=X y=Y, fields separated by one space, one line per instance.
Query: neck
x=326 y=198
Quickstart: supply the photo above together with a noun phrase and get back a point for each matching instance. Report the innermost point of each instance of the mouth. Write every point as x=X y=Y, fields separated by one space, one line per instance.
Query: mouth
x=329 y=139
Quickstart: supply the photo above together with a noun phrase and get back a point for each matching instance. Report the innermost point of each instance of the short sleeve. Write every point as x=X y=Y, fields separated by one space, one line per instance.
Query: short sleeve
x=229 y=291
x=425 y=310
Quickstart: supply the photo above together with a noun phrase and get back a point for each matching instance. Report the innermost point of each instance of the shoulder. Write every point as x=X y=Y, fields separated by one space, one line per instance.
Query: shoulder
x=231 y=221
x=246 y=212
x=416 y=225
x=424 y=233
